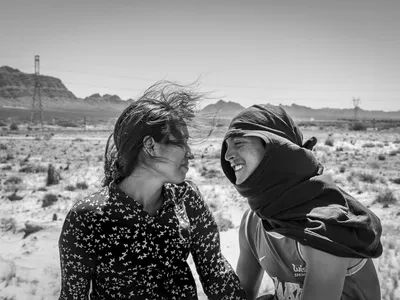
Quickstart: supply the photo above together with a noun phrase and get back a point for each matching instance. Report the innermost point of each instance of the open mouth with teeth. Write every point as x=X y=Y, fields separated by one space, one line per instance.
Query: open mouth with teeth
x=237 y=167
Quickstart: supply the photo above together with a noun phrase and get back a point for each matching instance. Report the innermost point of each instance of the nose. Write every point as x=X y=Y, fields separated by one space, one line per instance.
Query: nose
x=189 y=153
x=230 y=153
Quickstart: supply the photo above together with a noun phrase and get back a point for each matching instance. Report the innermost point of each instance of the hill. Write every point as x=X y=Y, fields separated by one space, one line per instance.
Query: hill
x=17 y=89
x=227 y=110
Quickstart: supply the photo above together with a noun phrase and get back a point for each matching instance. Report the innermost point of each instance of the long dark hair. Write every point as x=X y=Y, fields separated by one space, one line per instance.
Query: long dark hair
x=158 y=113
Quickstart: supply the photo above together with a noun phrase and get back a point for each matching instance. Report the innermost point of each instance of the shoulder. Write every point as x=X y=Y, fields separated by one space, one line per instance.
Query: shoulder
x=250 y=221
x=91 y=206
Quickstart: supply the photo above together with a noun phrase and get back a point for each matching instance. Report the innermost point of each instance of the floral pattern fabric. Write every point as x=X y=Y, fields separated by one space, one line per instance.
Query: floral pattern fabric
x=113 y=249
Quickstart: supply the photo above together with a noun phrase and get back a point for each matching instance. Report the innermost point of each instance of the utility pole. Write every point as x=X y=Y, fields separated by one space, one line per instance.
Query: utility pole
x=356 y=102
x=37 y=109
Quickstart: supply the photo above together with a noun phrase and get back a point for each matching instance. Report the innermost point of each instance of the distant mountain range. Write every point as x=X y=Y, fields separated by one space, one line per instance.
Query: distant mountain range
x=17 y=88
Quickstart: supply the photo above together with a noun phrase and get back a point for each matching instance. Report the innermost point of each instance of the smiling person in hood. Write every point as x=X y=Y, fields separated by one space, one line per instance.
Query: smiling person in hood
x=312 y=238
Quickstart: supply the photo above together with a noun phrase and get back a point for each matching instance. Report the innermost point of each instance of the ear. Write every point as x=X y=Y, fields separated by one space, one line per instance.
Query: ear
x=148 y=144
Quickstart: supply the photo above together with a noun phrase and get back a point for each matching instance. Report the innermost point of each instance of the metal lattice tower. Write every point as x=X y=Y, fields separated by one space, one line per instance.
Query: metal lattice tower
x=356 y=102
x=37 y=108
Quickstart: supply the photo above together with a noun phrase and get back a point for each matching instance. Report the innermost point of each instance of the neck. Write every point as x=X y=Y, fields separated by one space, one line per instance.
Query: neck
x=144 y=189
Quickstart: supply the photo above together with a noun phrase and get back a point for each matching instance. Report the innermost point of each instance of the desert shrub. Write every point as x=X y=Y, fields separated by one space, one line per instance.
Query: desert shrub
x=70 y=187
x=7 y=168
x=374 y=165
x=48 y=200
x=82 y=185
x=14 y=126
x=342 y=169
x=386 y=197
x=3 y=124
x=381 y=157
x=53 y=177
x=368 y=145
x=363 y=176
x=9 y=156
x=358 y=126
x=7 y=273
x=329 y=142
x=223 y=222
x=13 y=180
x=66 y=123
x=3 y=147
x=396 y=180
x=210 y=173
x=8 y=224
x=32 y=169
x=394 y=152
x=78 y=140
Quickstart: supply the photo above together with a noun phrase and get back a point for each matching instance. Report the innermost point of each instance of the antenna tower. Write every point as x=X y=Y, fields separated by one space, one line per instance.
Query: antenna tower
x=356 y=102
x=37 y=109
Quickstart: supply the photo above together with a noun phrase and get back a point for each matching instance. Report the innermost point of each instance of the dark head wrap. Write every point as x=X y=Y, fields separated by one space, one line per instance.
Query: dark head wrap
x=293 y=197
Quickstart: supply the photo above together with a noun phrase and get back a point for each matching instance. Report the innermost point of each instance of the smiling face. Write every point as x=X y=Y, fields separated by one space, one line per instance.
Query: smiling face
x=244 y=155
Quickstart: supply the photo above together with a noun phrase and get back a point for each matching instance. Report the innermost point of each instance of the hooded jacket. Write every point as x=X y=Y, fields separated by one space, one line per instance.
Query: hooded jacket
x=293 y=197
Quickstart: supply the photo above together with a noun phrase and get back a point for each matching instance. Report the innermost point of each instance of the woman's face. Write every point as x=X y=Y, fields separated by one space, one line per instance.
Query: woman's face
x=174 y=159
x=244 y=155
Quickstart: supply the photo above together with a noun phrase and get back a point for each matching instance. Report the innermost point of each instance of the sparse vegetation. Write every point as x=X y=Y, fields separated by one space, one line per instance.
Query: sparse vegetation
x=353 y=162
x=386 y=197
x=70 y=187
x=53 y=177
x=358 y=126
x=13 y=180
x=14 y=126
x=381 y=157
x=82 y=185
x=329 y=142
x=49 y=199
x=32 y=169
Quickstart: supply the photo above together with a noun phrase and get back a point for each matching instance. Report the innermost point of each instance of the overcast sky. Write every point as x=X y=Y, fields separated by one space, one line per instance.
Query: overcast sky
x=315 y=53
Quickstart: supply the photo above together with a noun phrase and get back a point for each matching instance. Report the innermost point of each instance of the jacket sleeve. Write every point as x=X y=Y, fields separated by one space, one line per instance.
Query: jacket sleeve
x=77 y=257
x=217 y=277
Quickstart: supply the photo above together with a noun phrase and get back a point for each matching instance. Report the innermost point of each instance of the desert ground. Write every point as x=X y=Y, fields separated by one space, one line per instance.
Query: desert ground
x=42 y=174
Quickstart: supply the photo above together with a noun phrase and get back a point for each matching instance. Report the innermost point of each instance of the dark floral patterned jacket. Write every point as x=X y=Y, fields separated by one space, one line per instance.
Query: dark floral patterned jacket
x=113 y=249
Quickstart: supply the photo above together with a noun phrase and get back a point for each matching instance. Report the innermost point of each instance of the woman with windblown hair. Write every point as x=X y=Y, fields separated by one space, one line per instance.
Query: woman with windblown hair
x=312 y=238
x=132 y=238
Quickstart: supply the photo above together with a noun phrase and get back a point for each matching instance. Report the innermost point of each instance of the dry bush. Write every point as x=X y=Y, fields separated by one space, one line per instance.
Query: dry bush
x=70 y=187
x=396 y=180
x=363 y=176
x=14 y=126
x=329 y=142
x=13 y=180
x=381 y=157
x=32 y=169
x=7 y=270
x=82 y=185
x=368 y=145
x=8 y=224
x=53 y=177
x=49 y=199
x=386 y=197
x=223 y=222
x=358 y=126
